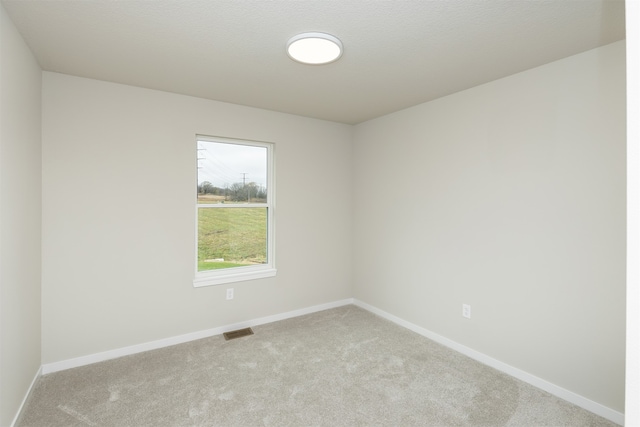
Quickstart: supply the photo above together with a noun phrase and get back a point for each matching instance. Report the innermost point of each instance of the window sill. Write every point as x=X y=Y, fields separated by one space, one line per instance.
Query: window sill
x=239 y=275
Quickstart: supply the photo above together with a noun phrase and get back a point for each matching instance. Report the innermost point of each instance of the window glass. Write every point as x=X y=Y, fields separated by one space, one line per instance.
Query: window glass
x=230 y=237
x=231 y=173
x=234 y=210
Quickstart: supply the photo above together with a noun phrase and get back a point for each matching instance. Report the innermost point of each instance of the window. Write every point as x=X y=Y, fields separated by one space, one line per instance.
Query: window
x=234 y=207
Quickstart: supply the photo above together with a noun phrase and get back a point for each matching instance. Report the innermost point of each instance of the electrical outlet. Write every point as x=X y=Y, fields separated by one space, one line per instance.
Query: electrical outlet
x=466 y=311
x=230 y=293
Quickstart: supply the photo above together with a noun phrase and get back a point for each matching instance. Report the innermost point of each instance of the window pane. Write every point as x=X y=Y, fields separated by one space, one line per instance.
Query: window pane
x=231 y=237
x=231 y=173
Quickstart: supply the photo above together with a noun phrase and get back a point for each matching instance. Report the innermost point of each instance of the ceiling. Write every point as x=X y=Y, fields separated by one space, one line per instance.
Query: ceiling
x=396 y=53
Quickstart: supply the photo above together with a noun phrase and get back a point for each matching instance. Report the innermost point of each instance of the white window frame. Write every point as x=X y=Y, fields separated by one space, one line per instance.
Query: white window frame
x=251 y=272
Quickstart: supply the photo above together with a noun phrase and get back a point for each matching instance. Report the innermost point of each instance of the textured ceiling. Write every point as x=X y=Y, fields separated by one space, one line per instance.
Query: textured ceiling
x=397 y=53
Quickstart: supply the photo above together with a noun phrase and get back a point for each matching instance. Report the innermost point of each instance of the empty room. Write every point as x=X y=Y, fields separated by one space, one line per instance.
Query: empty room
x=204 y=221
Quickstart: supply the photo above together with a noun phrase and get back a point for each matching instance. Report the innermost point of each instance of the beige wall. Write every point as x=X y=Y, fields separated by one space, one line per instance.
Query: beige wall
x=509 y=197
x=119 y=182
x=20 y=208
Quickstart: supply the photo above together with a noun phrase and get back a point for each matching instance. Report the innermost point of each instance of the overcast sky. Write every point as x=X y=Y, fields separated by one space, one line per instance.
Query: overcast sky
x=224 y=164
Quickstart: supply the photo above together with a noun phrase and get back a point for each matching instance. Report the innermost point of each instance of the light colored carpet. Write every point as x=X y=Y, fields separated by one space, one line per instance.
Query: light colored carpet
x=340 y=367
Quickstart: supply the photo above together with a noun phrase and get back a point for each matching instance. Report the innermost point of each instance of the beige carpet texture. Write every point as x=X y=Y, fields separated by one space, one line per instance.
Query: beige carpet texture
x=339 y=367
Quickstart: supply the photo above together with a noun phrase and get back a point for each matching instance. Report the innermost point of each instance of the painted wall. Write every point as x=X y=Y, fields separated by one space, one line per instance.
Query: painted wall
x=509 y=197
x=20 y=216
x=119 y=178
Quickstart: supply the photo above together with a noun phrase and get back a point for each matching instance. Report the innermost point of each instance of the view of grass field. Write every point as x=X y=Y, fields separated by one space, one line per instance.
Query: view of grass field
x=231 y=237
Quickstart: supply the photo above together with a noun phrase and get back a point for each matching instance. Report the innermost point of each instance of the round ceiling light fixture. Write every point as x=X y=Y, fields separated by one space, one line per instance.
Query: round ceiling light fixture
x=314 y=48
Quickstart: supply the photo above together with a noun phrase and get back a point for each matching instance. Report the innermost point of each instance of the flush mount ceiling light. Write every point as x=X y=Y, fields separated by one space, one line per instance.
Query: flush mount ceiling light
x=314 y=48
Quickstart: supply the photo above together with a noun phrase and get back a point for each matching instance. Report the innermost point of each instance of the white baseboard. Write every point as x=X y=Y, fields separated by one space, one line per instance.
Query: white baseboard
x=569 y=396
x=560 y=392
x=166 y=342
x=26 y=396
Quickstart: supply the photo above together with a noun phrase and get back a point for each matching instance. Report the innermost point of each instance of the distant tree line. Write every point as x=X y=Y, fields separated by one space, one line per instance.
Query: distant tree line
x=237 y=192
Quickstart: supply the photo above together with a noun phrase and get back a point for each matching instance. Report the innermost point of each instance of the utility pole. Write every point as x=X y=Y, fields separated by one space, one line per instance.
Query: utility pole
x=244 y=185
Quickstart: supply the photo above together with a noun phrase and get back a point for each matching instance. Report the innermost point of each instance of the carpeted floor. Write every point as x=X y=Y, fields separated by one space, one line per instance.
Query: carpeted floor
x=340 y=367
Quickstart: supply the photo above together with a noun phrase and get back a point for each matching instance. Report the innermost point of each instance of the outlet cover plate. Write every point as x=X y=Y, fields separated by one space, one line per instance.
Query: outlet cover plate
x=466 y=311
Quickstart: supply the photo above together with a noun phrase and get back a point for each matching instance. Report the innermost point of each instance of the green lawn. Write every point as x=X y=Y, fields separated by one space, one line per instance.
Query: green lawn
x=236 y=235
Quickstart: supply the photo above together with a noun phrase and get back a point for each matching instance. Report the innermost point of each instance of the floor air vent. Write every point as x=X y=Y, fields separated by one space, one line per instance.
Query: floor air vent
x=237 y=334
